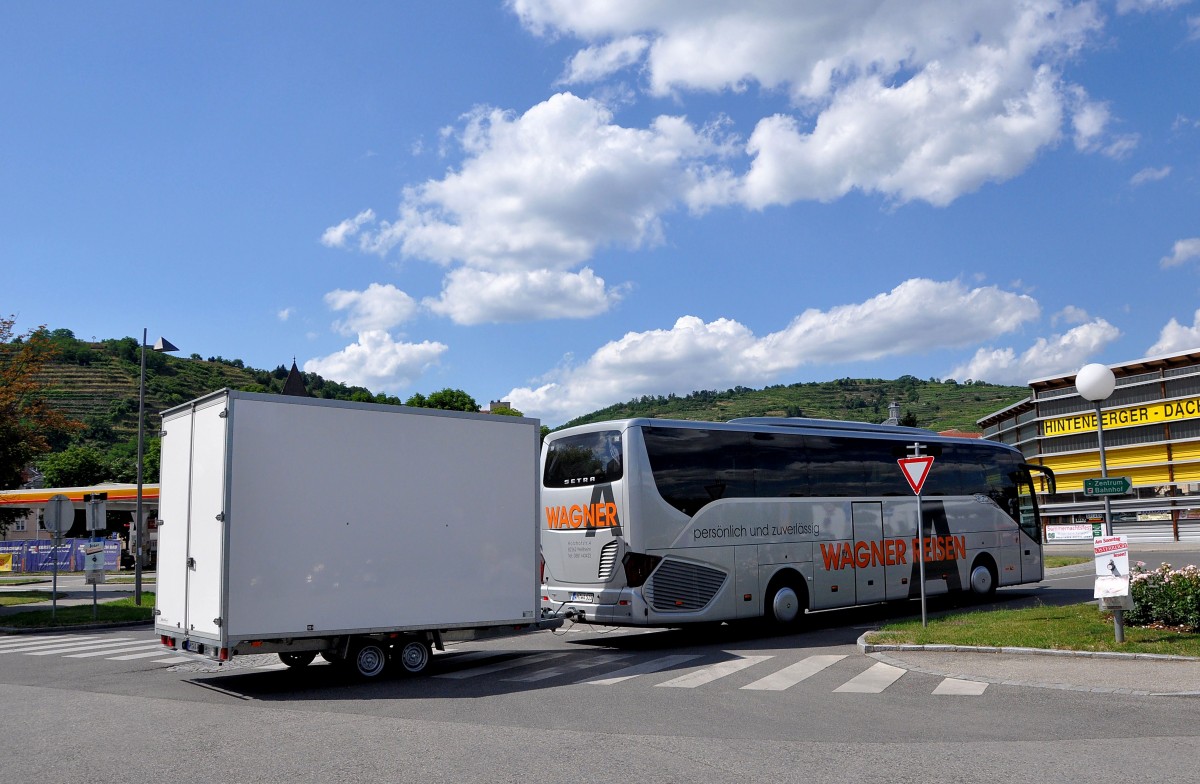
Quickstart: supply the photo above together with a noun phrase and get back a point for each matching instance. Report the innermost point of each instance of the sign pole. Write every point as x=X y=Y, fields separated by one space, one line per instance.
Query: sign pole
x=916 y=469
x=921 y=550
x=54 y=586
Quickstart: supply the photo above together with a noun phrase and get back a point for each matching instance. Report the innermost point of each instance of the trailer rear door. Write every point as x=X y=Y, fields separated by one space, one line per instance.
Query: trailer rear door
x=192 y=540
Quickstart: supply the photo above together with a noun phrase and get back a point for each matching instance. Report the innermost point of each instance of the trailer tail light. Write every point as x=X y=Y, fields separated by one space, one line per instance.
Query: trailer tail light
x=223 y=654
x=167 y=641
x=638 y=568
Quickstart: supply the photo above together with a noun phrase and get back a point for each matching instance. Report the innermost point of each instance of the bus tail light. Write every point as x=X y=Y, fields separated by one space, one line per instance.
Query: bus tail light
x=638 y=568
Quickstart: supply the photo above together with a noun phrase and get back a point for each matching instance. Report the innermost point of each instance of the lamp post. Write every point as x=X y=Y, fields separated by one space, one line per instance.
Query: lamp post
x=162 y=344
x=1096 y=382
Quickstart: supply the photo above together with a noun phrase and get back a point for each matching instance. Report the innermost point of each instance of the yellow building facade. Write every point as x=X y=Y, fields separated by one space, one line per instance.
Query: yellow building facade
x=1151 y=426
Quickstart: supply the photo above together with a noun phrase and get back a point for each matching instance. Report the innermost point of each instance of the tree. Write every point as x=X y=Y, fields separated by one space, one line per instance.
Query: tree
x=445 y=399
x=76 y=466
x=27 y=421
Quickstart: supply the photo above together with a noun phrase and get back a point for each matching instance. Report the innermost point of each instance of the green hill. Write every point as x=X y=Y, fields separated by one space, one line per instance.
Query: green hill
x=97 y=385
x=933 y=404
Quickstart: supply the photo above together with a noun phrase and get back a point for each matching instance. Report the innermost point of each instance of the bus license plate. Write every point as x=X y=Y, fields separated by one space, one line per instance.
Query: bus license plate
x=590 y=598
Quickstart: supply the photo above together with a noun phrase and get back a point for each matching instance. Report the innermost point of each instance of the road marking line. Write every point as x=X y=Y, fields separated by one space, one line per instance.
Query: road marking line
x=873 y=680
x=713 y=672
x=654 y=665
x=793 y=674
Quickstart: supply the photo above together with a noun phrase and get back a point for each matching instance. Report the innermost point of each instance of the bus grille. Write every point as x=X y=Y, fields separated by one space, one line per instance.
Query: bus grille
x=608 y=560
x=676 y=585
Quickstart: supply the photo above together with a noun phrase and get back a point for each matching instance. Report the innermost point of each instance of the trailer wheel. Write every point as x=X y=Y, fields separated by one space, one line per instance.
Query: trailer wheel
x=369 y=659
x=414 y=656
x=297 y=658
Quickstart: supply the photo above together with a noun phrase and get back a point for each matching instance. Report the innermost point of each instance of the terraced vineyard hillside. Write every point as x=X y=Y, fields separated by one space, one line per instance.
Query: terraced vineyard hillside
x=106 y=388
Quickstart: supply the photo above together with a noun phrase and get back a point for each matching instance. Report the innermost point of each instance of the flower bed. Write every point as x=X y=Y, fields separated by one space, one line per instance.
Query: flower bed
x=1165 y=596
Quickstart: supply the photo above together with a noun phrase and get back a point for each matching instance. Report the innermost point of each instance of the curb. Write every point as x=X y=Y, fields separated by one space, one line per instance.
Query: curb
x=866 y=647
x=879 y=653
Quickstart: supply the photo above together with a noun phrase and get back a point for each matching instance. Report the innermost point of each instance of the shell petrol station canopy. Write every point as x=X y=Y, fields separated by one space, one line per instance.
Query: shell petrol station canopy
x=120 y=496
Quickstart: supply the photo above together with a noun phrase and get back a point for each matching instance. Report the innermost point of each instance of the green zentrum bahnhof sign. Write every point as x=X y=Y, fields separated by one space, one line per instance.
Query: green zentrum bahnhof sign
x=1132 y=416
x=1110 y=485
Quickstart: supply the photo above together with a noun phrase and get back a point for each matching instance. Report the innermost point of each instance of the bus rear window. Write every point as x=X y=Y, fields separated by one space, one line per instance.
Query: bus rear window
x=587 y=459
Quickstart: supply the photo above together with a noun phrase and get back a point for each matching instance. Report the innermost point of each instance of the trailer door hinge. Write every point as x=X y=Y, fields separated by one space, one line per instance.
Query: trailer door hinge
x=191 y=563
x=220 y=517
x=224 y=413
x=217 y=622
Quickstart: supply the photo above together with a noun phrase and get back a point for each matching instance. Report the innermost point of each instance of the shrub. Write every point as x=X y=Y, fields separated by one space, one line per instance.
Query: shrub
x=1166 y=596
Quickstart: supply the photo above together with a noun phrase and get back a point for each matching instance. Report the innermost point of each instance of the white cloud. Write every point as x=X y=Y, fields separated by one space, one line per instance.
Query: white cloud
x=1141 y=6
x=917 y=316
x=1047 y=356
x=1150 y=175
x=1070 y=315
x=380 y=307
x=1183 y=251
x=336 y=236
x=284 y=313
x=472 y=296
x=597 y=62
x=546 y=189
x=909 y=99
x=1175 y=337
x=913 y=99
x=378 y=362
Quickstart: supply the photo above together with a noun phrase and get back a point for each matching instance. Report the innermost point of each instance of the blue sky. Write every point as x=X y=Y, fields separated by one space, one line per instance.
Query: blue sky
x=567 y=204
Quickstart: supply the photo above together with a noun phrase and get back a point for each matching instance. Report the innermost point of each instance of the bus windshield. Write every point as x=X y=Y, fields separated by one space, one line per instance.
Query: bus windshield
x=591 y=458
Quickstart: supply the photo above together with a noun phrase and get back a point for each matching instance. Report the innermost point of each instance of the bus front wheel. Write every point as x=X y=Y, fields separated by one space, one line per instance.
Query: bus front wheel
x=785 y=604
x=983 y=578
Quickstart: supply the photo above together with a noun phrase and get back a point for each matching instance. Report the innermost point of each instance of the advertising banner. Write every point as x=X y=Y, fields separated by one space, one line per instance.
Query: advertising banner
x=16 y=553
x=41 y=556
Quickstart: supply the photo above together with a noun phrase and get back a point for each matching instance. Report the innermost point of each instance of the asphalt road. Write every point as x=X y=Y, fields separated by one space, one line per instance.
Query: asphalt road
x=580 y=705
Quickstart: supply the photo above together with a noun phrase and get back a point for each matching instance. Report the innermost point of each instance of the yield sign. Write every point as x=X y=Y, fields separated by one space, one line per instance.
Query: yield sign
x=915 y=470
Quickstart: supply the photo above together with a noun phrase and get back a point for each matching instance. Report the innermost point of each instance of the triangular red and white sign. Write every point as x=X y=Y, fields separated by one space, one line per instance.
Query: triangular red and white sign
x=915 y=470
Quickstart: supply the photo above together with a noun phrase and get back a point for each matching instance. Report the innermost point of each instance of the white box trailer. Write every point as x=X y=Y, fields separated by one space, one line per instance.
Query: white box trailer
x=365 y=533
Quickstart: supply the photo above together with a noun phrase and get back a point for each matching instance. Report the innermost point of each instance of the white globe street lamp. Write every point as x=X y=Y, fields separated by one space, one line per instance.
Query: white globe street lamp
x=1095 y=382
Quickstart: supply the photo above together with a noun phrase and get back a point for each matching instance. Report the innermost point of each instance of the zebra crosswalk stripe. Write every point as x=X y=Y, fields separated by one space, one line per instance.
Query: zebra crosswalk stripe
x=500 y=666
x=654 y=665
x=141 y=646
x=873 y=680
x=791 y=675
x=958 y=687
x=553 y=672
x=713 y=672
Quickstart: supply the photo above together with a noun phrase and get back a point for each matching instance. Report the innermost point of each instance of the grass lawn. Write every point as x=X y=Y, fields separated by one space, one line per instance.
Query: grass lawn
x=13 y=598
x=1055 y=561
x=121 y=610
x=21 y=580
x=1079 y=627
